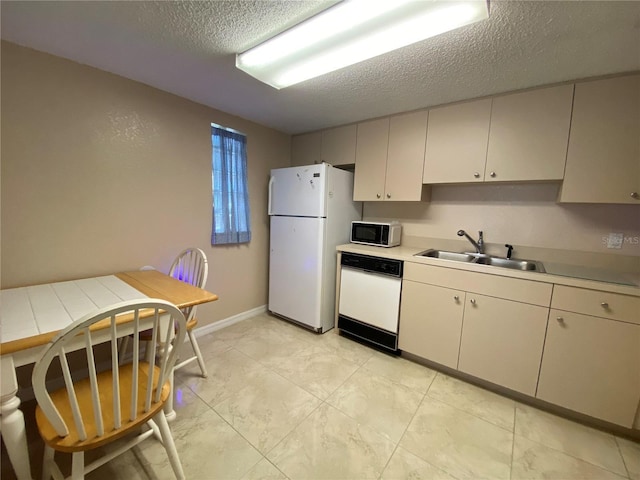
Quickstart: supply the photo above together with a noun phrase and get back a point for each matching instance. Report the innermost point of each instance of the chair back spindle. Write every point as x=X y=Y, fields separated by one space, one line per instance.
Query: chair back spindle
x=93 y=377
x=115 y=384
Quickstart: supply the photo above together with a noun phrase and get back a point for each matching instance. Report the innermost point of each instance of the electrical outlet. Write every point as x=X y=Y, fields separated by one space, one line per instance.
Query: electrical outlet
x=615 y=240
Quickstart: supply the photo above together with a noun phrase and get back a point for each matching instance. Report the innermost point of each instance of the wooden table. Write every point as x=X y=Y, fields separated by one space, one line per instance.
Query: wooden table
x=31 y=316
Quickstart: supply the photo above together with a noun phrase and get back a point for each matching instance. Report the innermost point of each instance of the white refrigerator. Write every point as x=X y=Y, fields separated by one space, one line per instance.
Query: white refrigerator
x=311 y=209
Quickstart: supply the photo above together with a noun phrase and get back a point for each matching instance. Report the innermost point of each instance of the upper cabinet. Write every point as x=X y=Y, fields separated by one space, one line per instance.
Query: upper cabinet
x=371 y=160
x=336 y=146
x=603 y=159
x=390 y=158
x=405 y=157
x=529 y=134
x=517 y=137
x=305 y=149
x=339 y=145
x=584 y=134
x=457 y=138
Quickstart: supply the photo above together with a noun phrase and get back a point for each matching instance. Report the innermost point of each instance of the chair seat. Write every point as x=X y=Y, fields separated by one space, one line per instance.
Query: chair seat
x=146 y=335
x=72 y=442
x=191 y=324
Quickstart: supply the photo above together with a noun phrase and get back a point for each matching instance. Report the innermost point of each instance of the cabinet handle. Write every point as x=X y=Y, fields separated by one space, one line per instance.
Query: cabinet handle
x=377 y=195
x=456 y=298
x=477 y=175
x=492 y=174
x=634 y=195
x=560 y=319
x=604 y=305
x=473 y=301
x=388 y=195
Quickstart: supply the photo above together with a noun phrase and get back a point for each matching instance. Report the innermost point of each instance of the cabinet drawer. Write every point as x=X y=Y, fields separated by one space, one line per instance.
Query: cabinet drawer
x=515 y=289
x=614 y=306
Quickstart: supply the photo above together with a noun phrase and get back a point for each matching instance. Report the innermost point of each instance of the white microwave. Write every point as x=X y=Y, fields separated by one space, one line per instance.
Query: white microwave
x=380 y=234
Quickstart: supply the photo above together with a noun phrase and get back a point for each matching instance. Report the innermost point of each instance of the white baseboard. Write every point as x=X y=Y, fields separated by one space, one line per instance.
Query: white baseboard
x=220 y=324
x=26 y=393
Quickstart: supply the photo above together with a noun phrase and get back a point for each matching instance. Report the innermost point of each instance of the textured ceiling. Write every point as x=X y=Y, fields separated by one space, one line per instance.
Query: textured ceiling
x=188 y=48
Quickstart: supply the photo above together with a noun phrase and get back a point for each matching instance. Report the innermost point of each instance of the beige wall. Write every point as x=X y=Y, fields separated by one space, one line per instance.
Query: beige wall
x=103 y=174
x=519 y=214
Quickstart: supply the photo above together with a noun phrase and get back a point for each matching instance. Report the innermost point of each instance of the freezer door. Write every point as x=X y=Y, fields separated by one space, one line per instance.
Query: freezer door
x=295 y=268
x=298 y=191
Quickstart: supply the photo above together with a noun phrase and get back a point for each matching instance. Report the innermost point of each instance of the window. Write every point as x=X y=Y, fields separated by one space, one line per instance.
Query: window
x=231 y=223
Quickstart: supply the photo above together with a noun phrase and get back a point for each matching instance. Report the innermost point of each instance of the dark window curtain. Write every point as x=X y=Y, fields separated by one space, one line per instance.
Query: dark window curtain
x=231 y=215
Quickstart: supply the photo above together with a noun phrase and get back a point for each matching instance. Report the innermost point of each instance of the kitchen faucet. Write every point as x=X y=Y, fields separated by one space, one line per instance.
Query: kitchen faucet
x=479 y=245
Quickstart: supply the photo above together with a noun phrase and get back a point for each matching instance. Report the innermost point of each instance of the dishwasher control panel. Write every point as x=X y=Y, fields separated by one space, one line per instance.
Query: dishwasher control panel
x=384 y=266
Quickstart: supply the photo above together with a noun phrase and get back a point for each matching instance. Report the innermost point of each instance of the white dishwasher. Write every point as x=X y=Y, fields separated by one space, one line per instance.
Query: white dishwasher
x=370 y=298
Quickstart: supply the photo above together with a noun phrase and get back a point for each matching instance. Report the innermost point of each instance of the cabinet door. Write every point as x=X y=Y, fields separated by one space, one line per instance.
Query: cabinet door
x=502 y=341
x=305 y=149
x=431 y=322
x=457 y=138
x=339 y=145
x=529 y=134
x=603 y=160
x=405 y=158
x=371 y=160
x=591 y=365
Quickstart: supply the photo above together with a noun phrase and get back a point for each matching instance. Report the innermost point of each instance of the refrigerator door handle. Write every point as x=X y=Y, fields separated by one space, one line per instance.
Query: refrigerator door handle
x=271 y=180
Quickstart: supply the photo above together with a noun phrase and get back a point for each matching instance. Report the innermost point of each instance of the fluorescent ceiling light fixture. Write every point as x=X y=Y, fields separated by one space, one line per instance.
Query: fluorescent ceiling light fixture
x=353 y=31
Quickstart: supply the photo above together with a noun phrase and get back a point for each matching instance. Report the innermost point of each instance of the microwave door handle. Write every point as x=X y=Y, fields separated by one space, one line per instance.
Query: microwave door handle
x=271 y=180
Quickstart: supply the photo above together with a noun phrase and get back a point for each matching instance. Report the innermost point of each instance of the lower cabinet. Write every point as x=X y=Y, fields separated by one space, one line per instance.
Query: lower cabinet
x=431 y=322
x=460 y=323
x=573 y=347
x=592 y=365
x=502 y=341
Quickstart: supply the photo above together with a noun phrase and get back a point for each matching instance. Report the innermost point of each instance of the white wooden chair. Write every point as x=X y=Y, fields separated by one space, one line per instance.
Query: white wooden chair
x=190 y=266
x=106 y=406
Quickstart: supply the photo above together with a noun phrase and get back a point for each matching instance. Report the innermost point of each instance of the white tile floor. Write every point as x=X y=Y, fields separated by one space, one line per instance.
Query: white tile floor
x=281 y=402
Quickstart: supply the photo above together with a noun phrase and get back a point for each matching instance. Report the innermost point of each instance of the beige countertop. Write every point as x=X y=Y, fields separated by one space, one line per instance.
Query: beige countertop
x=573 y=275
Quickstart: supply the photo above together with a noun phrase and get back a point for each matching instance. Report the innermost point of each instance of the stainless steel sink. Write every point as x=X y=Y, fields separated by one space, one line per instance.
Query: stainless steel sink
x=512 y=263
x=515 y=264
x=444 y=255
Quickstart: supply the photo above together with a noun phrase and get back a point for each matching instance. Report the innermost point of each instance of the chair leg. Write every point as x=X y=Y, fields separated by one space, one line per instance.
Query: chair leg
x=156 y=431
x=169 y=445
x=77 y=466
x=196 y=350
x=46 y=462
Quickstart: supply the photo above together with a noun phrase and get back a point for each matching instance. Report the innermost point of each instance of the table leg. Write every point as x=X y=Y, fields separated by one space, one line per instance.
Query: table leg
x=12 y=426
